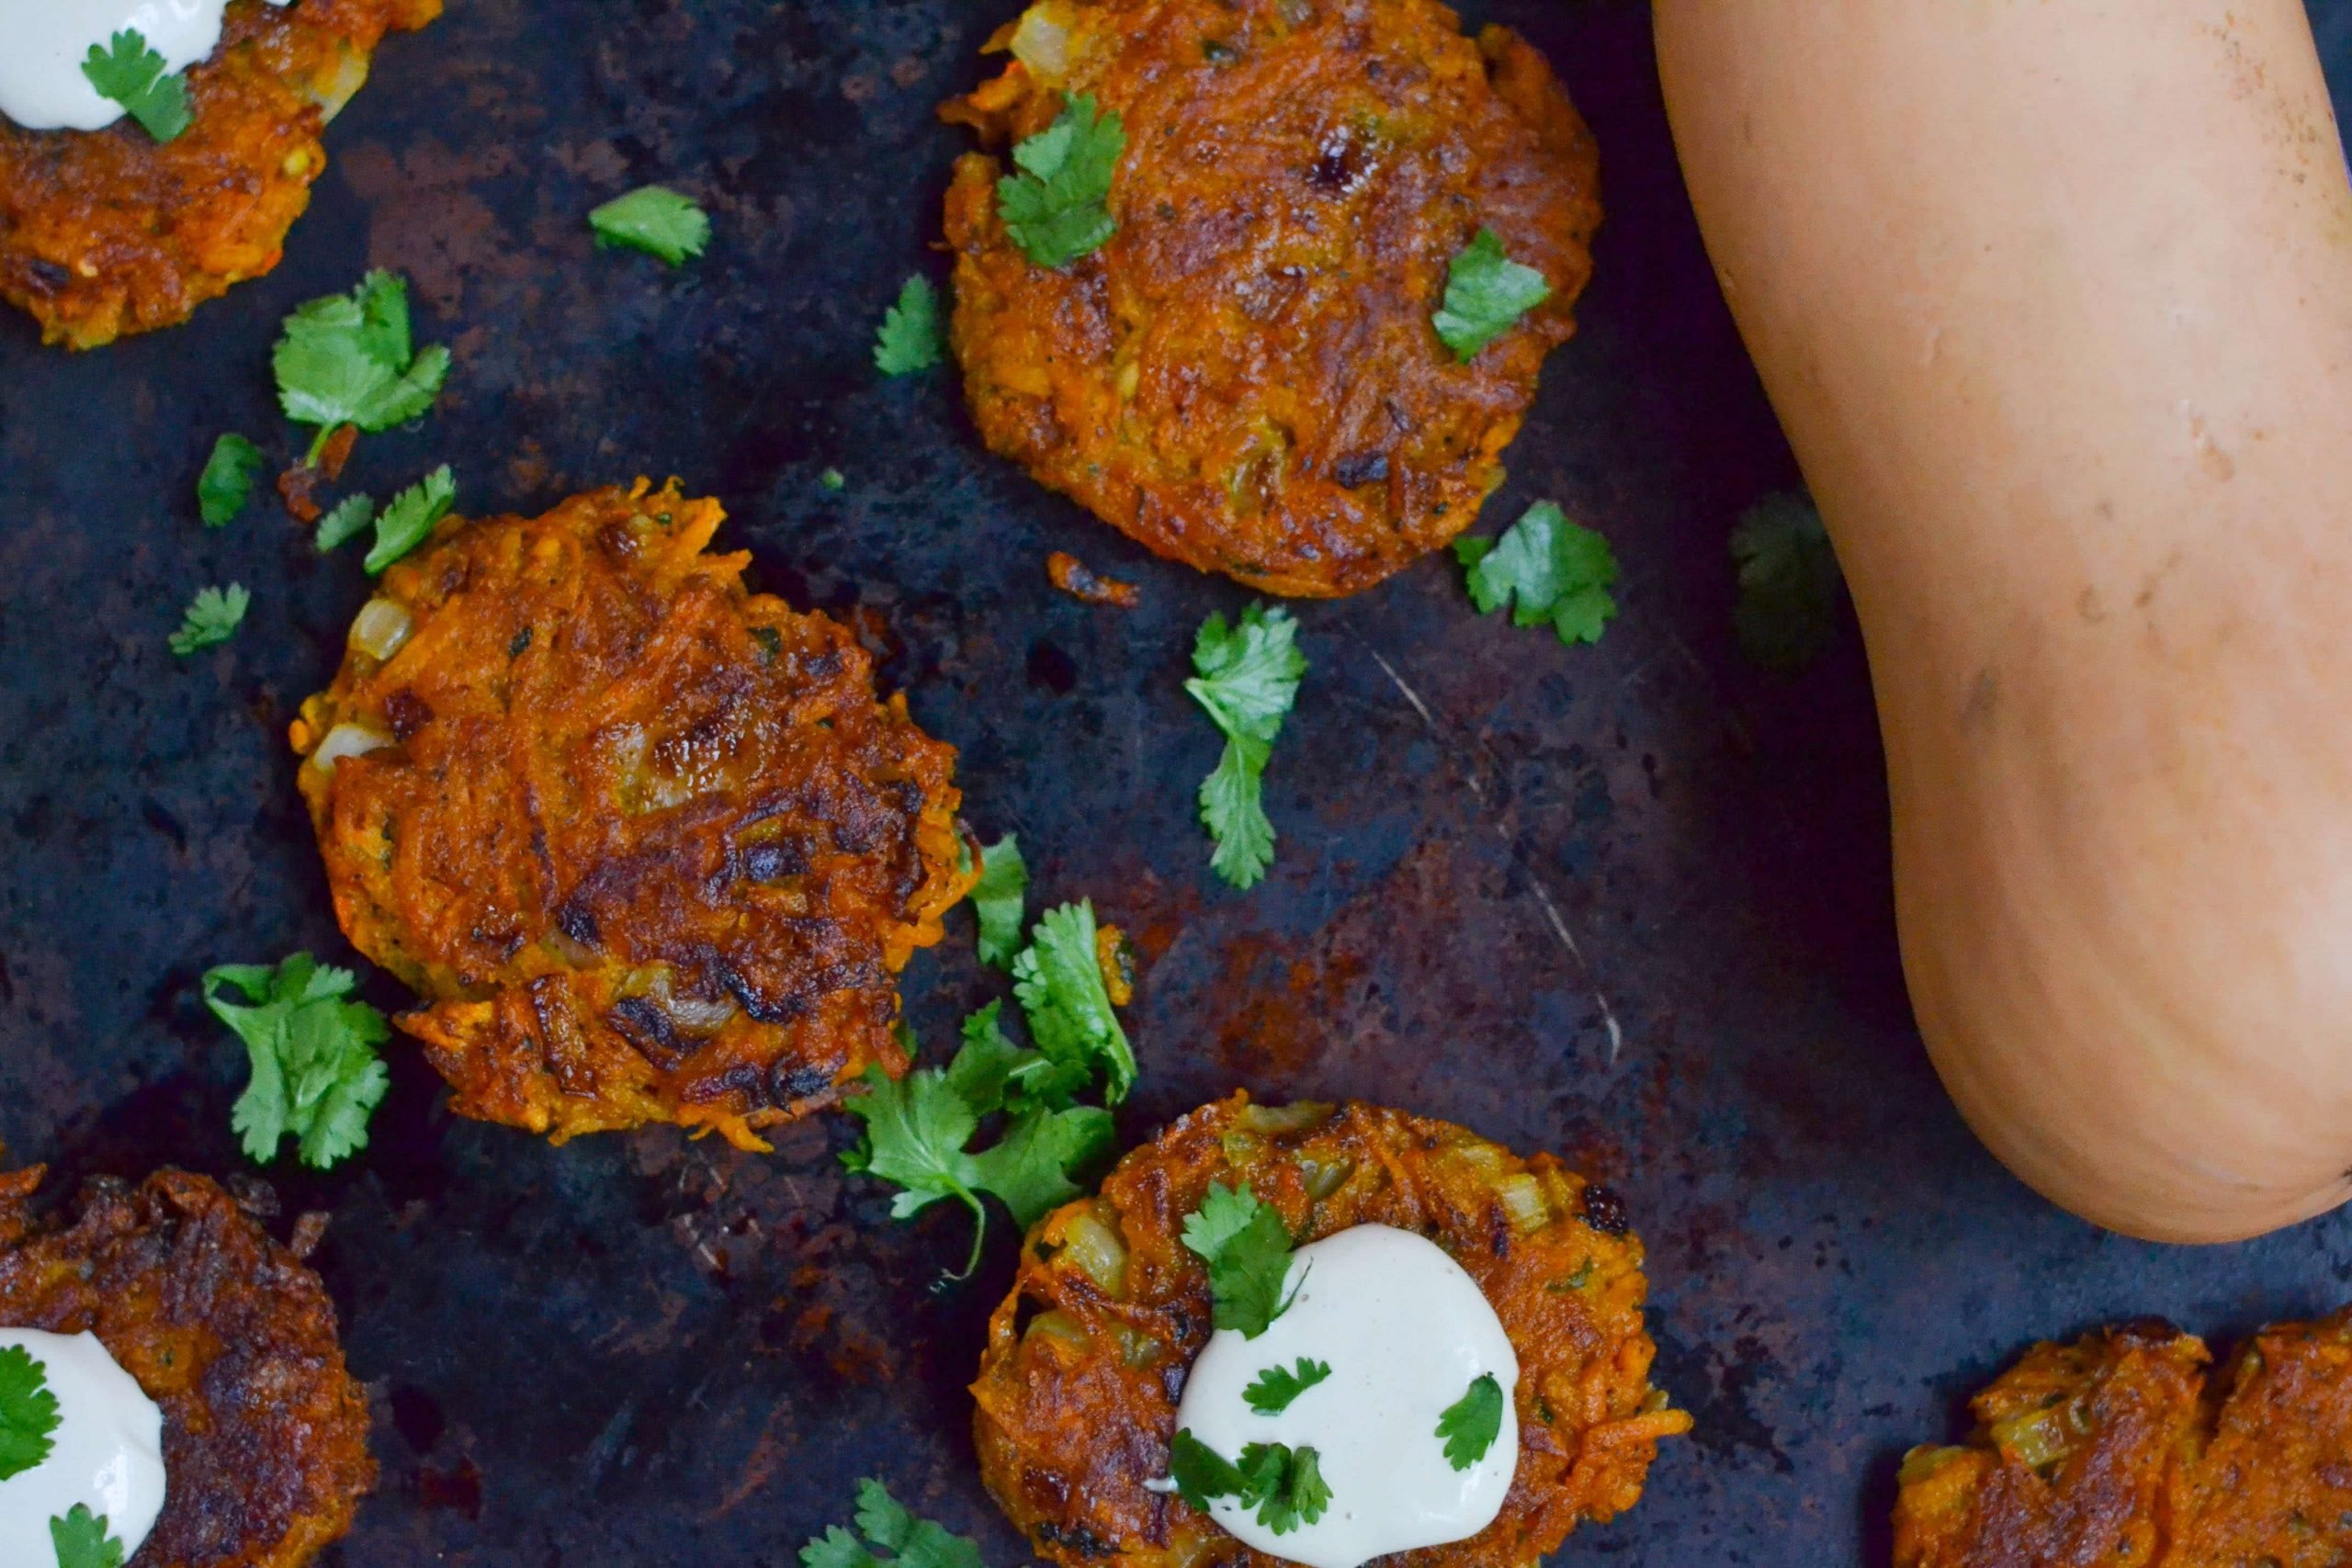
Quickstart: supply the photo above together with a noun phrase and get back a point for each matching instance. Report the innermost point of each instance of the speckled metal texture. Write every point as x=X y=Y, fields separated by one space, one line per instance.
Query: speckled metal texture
x=1627 y=902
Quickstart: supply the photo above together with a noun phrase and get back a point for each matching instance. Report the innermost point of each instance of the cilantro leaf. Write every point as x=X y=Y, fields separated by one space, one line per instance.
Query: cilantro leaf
x=998 y=898
x=1485 y=294
x=1058 y=982
x=1560 y=572
x=82 y=1541
x=408 y=516
x=1247 y=1250
x=345 y=360
x=128 y=73
x=1057 y=209
x=29 y=1414
x=1788 y=583
x=1274 y=1390
x=211 y=617
x=915 y=1542
x=227 y=482
x=1289 y=1485
x=1201 y=1474
x=912 y=338
x=1247 y=676
x=1472 y=1423
x=655 y=219
x=344 y=522
x=316 y=1074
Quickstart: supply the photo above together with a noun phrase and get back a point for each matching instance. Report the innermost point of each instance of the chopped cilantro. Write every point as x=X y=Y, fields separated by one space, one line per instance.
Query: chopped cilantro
x=1057 y=209
x=911 y=338
x=1276 y=1388
x=655 y=219
x=889 y=1526
x=408 y=516
x=833 y=480
x=1247 y=1250
x=211 y=617
x=29 y=1416
x=345 y=360
x=128 y=73
x=227 y=482
x=1284 y=1484
x=1059 y=980
x=998 y=899
x=1788 y=583
x=316 y=1076
x=344 y=522
x=1559 y=572
x=82 y=1541
x=1485 y=294
x=1472 y=1423
x=1247 y=676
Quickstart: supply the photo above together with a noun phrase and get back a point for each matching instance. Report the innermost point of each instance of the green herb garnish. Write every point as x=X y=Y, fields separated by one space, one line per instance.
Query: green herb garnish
x=128 y=73
x=1247 y=1250
x=1559 y=572
x=999 y=900
x=1485 y=294
x=316 y=1076
x=347 y=359
x=1284 y=1484
x=912 y=338
x=1471 y=1424
x=1057 y=210
x=211 y=617
x=227 y=482
x=82 y=1541
x=408 y=516
x=348 y=518
x=1247 y=676
x=1058 y=981
x=1276 y=1388
x=889 y=1528
x=29 y=1416
x=655 y=219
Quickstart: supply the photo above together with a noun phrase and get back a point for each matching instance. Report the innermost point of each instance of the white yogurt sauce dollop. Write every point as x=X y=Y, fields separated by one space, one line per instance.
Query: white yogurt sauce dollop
x=107 y=1450
x=1406 y=1332
x=43 y=43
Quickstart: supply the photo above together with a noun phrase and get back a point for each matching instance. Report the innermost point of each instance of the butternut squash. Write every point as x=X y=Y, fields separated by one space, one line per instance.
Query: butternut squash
x=2054 y=300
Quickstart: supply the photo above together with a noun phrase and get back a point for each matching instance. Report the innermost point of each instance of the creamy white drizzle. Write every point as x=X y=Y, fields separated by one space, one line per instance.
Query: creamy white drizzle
x=43 y=43
x=1406 y=1332
x=108 y=1450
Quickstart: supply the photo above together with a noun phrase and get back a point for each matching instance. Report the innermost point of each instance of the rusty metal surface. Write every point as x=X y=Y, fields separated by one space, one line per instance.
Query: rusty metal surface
x=1629 y=902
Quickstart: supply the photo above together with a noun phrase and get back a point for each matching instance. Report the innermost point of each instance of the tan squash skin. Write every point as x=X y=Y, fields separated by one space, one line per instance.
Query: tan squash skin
x=2055 y=302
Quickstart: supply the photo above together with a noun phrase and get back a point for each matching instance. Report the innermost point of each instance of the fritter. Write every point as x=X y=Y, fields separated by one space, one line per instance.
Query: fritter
x=1245 y=378
x=645 y=840
x=1086 y=1359
x=264 y=1432
x=2115 y=1449
x=104 y=232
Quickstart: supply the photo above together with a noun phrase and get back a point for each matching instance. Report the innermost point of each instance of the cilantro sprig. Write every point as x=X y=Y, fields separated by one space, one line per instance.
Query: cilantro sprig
x=1247 y=676
x=345 y=521
x=227 y=482
x=316 y=1076
x=29 y=1415
x=1485 y=294
x=128 y=73
x=1065 y=1002
x=1559 y=572
x=406 y=519
x=82 y=1541
x=211 y=617
x=1789 y=583
x=889 y=1526
x=348 y=359
x=912 y=338
x=654 y=219
x=1471 y=1424
x=997 y=900
x=1248 y=1249
x=1277 y=1387
x=1057 y=207
x=1284 y=1485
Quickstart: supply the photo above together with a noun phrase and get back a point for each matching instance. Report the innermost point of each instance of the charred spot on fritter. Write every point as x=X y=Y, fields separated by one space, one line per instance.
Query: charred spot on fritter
x=646 y=843
x=104 y=232
x=1245 y=378
x=2120 y=1448
x=1084 y=1370
x=264 y=1432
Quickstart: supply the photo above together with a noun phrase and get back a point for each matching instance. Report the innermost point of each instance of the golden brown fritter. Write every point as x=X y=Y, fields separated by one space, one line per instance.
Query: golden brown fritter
x=107 y=232
x=646 y=841
x=265 y=1433
x=1085 y=1364
x=2115 y=1451
x=1245 y=377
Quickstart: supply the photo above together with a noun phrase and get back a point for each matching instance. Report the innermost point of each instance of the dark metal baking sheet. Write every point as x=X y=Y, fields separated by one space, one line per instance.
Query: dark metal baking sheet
x=1630 y=902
